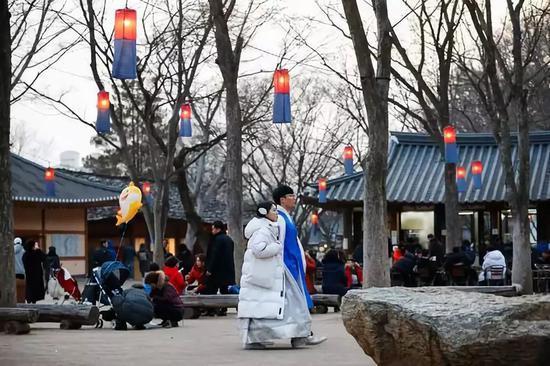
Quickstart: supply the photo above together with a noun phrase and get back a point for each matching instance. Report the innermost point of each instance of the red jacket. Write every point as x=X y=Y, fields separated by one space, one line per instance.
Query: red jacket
x=358 y=272
x=310 y=273
x=197 y=275
x=175 y=278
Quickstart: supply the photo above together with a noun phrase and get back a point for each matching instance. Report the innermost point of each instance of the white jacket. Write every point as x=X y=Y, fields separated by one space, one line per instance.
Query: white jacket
x=262 y=291
x=492 y=258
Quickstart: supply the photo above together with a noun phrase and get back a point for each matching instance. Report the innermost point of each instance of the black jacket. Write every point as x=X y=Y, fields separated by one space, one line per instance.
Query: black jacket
x=219 y=260
x=405 y=264
x=334 y=278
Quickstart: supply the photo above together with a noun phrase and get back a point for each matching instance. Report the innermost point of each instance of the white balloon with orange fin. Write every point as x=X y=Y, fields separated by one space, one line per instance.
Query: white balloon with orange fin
x=130 y=203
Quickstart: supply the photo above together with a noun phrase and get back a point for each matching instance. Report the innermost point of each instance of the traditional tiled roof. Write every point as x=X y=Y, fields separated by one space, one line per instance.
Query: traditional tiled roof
x=415 y=171
x=28 y=186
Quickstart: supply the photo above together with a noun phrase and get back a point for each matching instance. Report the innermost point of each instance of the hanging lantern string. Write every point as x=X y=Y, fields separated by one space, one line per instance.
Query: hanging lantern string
x=126 y=4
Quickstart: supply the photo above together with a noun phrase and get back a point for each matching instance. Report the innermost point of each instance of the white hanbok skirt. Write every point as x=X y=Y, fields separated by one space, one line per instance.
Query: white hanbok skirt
x=296 y=320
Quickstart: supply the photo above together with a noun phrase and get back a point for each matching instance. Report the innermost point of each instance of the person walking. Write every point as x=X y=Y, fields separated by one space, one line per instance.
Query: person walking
x=271 y=305
x=128 y=256
x=293 y=254
x=144 y=257
x=33 y=260
x=19 y=269
x=51 y=263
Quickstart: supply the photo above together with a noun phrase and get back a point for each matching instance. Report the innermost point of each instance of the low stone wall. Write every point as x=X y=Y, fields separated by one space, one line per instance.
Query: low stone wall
x=440 y=326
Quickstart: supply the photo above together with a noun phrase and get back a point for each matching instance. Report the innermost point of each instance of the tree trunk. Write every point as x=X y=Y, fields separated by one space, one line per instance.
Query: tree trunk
x=195 y=230
x=228 y=60
x=375 y=87
x=7 y=274
x=452 y=219
x=234 y=174
x=521 y=262
x=54 y=313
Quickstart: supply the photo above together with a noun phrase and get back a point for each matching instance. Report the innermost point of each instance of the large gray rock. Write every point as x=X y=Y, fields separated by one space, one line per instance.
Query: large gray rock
x=439 y=326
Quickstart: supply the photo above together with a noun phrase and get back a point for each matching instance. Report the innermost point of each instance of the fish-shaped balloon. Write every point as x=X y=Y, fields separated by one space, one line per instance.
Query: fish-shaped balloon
x=130 y=203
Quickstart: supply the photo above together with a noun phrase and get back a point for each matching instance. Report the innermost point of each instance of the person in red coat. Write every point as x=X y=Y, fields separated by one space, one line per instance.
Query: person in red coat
x=310 y=273
x=198 y=273
x=174 y=275
x=350 y=269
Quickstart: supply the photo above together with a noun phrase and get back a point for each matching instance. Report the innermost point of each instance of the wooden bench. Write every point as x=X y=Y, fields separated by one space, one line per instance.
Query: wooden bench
x=68 y=316
x=323 y=301
x=16 y=321
x=193 y=304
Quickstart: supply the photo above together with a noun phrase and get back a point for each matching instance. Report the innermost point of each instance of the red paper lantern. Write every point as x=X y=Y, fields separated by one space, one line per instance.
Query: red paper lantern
x=49 y=174
x=314 y=219
x=460 y=172
x=146 y=188
x=348 y=153
x=125 y=24
x=477 y=167
x=103 y=102
x=322 y=184
x=281 y=81
x=185 y=111
x=449 y=135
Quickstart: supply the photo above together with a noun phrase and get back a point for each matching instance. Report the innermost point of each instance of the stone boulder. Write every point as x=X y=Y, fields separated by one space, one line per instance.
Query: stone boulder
x=440 y=326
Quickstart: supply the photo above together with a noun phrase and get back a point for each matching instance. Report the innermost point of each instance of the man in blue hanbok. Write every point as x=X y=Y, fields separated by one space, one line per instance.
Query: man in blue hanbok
x=293 y=253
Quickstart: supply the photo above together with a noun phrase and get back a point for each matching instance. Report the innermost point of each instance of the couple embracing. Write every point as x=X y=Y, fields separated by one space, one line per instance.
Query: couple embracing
x=273 y=301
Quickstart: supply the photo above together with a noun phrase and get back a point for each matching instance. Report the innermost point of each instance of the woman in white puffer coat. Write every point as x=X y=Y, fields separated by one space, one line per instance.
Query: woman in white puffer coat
x=265 y=289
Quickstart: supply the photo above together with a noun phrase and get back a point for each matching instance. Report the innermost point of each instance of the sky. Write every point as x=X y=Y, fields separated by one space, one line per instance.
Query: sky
x=42 y=132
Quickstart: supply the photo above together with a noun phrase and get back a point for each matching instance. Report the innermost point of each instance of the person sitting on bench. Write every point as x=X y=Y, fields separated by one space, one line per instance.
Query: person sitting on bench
x=198 y=274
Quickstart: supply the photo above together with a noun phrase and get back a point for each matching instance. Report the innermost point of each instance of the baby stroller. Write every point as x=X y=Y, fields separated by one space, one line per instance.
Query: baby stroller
x=62 y=284
x=126 y=306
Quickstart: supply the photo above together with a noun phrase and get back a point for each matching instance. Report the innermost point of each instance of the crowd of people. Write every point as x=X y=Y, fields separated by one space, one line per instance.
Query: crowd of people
x=33 y=269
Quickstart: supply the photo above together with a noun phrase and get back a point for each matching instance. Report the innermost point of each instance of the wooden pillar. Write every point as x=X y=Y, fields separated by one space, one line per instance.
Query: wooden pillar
x=439 y=221
x=543 y=220
x=480 y=244
x=357 y=224
x=348 y=229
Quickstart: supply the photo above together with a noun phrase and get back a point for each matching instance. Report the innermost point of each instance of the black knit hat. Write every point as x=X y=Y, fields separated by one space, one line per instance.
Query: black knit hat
x=280 y=192
x=264 y=208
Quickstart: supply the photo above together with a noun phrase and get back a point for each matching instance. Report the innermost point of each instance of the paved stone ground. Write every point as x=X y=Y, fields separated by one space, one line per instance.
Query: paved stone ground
x=205 y=341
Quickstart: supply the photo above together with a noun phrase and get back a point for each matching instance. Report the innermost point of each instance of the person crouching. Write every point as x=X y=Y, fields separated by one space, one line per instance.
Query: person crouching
x=166 y=301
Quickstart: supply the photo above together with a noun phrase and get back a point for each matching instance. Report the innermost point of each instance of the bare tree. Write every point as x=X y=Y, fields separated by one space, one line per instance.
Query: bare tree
x=502 y=89
x=7 y=275
x=437 y=23
x=375 y=88
x=228 y=60
x=176 y=35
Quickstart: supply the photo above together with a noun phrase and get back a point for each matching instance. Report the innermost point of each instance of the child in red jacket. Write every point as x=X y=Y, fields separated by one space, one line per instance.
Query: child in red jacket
x=198 y=273
x=174 y=275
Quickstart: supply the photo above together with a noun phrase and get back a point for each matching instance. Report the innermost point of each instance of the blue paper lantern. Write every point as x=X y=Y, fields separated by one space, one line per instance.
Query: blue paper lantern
x=451 y=151
x=103 y=121
x=185 y=121
x=281 y=103
x=322 y=190
x=477 y=169
x=125 y=55
x=461 y=179
x=49 y=178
